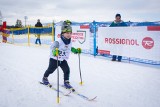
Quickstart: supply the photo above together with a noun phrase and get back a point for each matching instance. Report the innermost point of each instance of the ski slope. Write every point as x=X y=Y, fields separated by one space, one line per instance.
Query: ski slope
x=115 y=84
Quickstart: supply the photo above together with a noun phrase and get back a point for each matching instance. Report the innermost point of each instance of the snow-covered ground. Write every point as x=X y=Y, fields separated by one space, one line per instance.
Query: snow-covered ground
x=115 y=84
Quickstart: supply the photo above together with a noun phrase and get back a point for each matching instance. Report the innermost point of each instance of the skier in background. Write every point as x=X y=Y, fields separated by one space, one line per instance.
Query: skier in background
x=117 y=23
x=64 y=46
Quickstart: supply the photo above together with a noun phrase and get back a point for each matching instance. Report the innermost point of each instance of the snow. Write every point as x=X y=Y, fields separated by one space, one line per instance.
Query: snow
x=115 y=84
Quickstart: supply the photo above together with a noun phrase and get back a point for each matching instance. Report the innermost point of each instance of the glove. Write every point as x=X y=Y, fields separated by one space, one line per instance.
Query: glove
x=74 y=50
x=79 y=50
x=55 y=52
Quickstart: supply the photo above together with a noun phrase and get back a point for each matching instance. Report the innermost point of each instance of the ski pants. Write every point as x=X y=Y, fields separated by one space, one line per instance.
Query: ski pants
x=38 y=40
x=53 y=65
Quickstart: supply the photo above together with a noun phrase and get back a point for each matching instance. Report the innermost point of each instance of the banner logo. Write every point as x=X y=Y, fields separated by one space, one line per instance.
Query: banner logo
x=147 y=43
x=121 y=41
x=81 y=38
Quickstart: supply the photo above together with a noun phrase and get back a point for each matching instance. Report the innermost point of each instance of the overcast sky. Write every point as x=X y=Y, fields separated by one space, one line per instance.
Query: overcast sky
x=79 y=10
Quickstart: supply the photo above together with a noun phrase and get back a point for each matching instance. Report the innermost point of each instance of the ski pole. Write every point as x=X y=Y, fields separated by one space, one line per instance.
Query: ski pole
x=58 y=99
x=80 y=70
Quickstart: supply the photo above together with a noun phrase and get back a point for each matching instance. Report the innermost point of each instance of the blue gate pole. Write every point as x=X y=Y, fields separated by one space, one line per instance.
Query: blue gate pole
x=94 y=38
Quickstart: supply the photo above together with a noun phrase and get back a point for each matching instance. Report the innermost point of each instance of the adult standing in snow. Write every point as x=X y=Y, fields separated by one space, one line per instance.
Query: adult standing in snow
x=117 y=23
x=38 y=24
x=64 y=46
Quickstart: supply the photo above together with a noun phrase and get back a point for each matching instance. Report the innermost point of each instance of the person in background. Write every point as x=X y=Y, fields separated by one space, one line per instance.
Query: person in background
x=38 y=24
x=117 y=23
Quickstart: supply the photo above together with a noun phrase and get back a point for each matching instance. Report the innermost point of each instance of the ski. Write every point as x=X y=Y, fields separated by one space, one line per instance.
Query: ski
x=84 y=97
x=53 y=88
x=79 y=94
x=72 y=90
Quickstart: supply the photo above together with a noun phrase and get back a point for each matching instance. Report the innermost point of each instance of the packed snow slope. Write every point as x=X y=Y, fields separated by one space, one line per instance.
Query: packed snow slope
x=116 y=84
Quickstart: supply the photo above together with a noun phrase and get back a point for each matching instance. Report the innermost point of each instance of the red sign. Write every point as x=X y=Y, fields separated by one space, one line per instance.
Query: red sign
x=104 y=52
x=153 y=28
x=84 y=27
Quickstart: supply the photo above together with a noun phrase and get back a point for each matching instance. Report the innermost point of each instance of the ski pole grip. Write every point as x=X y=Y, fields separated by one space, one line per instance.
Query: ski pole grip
x=79 y=50
x=56 y=51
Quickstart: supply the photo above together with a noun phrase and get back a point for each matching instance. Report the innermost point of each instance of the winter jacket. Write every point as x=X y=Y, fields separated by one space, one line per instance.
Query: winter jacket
x=38 y=30
x=64 y=46
x=118 y=24
x=38 y=24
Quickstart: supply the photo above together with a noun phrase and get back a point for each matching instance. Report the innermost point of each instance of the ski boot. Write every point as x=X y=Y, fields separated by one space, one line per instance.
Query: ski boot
x=45 y=81
x=68 y=86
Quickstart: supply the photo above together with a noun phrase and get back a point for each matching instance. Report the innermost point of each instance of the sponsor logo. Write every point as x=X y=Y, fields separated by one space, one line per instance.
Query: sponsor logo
x=121 y=41
x=82 y=38
x=75 y=36
x=147 y=43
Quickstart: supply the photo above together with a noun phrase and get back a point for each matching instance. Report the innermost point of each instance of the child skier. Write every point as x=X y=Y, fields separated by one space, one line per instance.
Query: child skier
x=64 y=46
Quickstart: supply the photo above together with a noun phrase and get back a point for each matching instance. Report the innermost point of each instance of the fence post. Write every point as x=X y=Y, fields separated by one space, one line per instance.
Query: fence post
x=28 y=36
x=53 y=34
x=94 y=38
x=12 y=37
